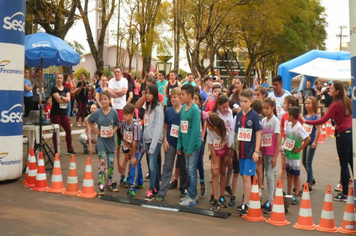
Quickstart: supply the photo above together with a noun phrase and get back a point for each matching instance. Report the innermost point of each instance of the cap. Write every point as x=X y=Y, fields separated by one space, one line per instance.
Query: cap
x=330 y=82
x=325 y=84
x=71 y=71
x=208 y=77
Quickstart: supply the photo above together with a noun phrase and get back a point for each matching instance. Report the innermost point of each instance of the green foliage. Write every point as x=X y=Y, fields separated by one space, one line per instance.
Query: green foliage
x=183 y=73
x=80 y=71
x=135 y=73
x=106 y=72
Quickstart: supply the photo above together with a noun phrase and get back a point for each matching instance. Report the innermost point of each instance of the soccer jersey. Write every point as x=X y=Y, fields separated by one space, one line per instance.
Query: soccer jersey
x=295 y=136
x=131 y=133
x=270 y=129
x=284 y=123
x=279 y=102
x=246 y=128
x=172 y=119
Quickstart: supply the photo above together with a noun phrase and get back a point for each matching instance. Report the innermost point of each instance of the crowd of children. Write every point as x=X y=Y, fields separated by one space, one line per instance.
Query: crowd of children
x=247 y=143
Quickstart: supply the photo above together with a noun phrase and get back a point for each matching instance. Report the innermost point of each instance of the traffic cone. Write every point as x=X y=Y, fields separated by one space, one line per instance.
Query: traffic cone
x=41 y=179
x=88 y=190
x=72 y=188
x=320 y=139
x=32 y=170
x=57 y=180
x=327 y=222
x=348 y=223
x=305 y=219
x=329 y=130
x=278 y=216
x=332 y=131
x=27 y=168
x=323 y=132
x=254 y=206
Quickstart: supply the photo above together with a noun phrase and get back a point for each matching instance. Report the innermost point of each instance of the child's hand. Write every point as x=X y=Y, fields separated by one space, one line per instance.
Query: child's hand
x=179 y=152
x=166 y=146
x=226 y=159
x=111 y=133
x=133 y=161
x=297 y=150
x=96 y=131
x=302 y=118
x=313 y=145
x=255 y=156
x=274 y=162
x=215 y=170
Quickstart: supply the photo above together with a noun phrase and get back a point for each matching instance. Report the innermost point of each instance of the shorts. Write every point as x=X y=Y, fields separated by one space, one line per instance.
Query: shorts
x=236 y=165
x=293 y=167
x=247 y=167
x=119 y=137
x=125 y=151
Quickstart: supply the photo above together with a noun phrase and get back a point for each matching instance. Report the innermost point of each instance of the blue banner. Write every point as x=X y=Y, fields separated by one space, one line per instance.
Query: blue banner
x=353 y=86
x=12 y=21
x=11 y=113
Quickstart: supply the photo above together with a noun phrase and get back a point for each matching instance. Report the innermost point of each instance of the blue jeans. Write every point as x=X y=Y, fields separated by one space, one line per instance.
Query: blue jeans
x=152 y=159
x=307 y=160
x=344 y=149
x=191 y=163
x=201 y=162
x=69 y=109
x=135 y=175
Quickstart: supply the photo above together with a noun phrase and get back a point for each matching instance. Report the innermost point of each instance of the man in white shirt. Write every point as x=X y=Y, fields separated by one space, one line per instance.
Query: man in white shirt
x=278 y=95
x=118 y=89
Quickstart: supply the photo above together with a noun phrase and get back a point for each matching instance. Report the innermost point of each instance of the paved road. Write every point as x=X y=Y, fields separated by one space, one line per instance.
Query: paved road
x=25 y=212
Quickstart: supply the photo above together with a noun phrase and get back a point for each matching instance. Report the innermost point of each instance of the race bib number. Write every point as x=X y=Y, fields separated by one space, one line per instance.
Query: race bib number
x=63 y=105
x=128 y=136
x=105 y=131
x=279 y=111
x=244 y=134
x=217 y=144
x=184 y=126
x=174 y=131
x=288 y=144
x=266 y=140
x=146 y=120
x=308 y=128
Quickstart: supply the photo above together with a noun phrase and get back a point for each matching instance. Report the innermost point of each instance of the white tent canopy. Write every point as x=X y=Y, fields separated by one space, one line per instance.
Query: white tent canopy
x=326 y=68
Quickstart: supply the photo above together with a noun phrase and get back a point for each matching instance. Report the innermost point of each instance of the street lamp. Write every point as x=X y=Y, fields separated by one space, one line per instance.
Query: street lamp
x=164 y=64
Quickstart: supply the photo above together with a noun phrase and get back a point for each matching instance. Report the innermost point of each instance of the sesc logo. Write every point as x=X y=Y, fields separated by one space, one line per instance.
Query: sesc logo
x=43 y=44
x=15 y=22
x=13 y=115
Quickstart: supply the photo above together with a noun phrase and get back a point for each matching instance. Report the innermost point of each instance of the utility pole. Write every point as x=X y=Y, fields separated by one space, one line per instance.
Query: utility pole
x=118 y=36
x=341 y=27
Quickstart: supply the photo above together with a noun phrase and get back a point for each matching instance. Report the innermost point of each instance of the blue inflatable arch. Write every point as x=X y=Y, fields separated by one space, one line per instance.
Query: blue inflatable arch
x=284 y=68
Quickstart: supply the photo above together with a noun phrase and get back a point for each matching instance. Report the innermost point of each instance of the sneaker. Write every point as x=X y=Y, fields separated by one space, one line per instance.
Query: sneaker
x=239 y=208
x=244 y=209
x=86 y=150
x=222 y=202
x=184 y=193
x=78 y=124
x=186 y=197
x=101 y=192
x=338 y=188
x=340 y=197
x=310 y=190
x=72 y=152
x=83 y=124
x=140 y=186
x=123 y=183
x=232 y=201
x=228 y=189
x=265 y=205
x=203 y=189
x=295 y=200
x=211 y=201
x=215 y=205
x=268 y=209
x=188 y=202
x=147 y=177
x=155 y=191
x=149 y=195
x=313 y=182
x=112 y=187
x=96 y=149
x=160 y=198
x=130 y=194
x=173 y=184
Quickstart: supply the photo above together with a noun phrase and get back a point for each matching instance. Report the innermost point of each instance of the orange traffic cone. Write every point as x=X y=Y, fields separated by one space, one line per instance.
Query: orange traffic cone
x=327 y=222
x=278 y=216
x=57 y=180
x=27 y=168
x=88 y=190
x=41 y=179
x=323 y=132
x=305 y=219
x=254 y=206
x=348 y=223
x=320 y=139
x=329 y=130
x=32 y=170
x=72 y=188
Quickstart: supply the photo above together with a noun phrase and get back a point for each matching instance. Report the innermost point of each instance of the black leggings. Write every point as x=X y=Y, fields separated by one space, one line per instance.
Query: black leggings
x=28 y=101
x=344 y=150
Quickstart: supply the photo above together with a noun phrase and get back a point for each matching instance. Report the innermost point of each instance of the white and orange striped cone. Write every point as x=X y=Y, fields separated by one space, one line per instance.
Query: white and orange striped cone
x=32 y=170
x=57 y=180
x=278 y=216
x=323 y=132
x=72 y=187
x=305 y=219
x=254 y=213
x=329 y=130
x=327 y=222
x=27 y=168
x=348 y=223
x=88 y=190
x=41 y=179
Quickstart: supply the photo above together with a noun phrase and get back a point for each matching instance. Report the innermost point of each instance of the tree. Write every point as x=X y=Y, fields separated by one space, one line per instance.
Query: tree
x=76 y=46
x=106 y=9
x=56 y=17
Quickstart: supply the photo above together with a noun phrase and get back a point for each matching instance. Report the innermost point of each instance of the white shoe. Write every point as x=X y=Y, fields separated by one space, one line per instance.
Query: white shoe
x=188 y=202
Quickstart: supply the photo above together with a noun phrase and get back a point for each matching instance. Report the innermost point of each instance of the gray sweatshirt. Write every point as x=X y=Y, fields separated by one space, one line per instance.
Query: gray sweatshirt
x=153 y=131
